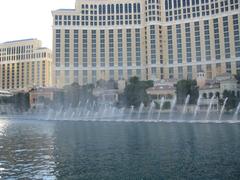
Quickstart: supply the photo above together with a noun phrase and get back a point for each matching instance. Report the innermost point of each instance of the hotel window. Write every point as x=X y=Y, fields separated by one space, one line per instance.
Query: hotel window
x=188 y=42
x=154 y=72
x=189 y=72
x=85 y=48
x=76 y=49
x=85 y=76
x=129 y=73
x=120 y=74
x=94 y=76
x=94 y=49
x=120 y=48
x=111 y=74
x=207 y=40
x=209 y=71
x=236 y=35
x=226 y=37
x=238 y=67
x=217 y=40
x=179 y=43
x=129 y=47
x=13 y=75
x=218 y=68
x=28 y=75
x=38 y=73
x=153 y=44
x=33 y=72
x=197 y=41
x=170 y=45
x=228 y=67
x=43 y=73
x=199 y=68
x=67 y=48
x=171 y=73
x=138 y=73
x=102 y=48
x=138 y=47
x=58 y=48
x=111 y=48
x=75 y=76
x=180 y=72
x=161 y=73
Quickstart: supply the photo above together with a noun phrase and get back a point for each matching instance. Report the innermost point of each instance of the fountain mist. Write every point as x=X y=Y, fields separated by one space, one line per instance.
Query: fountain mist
x=185 y=105
x=197 y=107
x=223 y=107
x=235 y=117
x=209 y=107
x=161 y=106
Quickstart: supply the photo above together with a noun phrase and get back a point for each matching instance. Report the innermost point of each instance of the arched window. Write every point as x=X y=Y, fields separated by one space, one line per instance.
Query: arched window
x=210 y=95
x=204 y=95
x=130 y=8
x=117 y=8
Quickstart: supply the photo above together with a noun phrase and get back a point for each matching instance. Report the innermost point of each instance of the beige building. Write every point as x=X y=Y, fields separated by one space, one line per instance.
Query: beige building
x=151 y=39
x=24 y=64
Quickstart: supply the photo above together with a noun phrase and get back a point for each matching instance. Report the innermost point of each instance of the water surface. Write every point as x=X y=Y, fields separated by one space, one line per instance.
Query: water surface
x=118 y=150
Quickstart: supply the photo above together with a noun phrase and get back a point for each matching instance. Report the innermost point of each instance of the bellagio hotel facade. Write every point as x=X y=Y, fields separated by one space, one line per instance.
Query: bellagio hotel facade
x=151 y=39
x=24 y=64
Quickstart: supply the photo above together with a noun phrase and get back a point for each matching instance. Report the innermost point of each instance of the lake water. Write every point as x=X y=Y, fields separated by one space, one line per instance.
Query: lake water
x=118 y=150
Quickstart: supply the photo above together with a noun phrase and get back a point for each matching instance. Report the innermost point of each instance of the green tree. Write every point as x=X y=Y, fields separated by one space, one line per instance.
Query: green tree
x=21 y=101
x=232 y=100
x=72 y=94
x=135 y=92
x=187 y=87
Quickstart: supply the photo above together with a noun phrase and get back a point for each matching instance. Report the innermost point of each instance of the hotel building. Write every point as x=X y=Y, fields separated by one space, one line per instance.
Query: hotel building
x=24 y=64
x=151 y=39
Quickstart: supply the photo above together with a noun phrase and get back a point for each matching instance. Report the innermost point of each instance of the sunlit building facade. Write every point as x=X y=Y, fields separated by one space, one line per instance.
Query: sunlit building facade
x=25 y=64
x=151 y=39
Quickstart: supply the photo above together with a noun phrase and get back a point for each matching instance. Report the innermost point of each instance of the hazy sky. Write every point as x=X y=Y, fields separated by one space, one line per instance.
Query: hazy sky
x=23 y=19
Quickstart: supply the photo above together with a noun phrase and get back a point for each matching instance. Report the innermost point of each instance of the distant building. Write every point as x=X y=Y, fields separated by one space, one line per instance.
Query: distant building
x=24 y=64
x=151 y=39
x=41 y=97
x=213 y=90
x=104 y=96
x=163 y=90
x=218 y=85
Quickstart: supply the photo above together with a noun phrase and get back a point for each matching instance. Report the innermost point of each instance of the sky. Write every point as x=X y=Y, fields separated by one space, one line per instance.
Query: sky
x=24 y=19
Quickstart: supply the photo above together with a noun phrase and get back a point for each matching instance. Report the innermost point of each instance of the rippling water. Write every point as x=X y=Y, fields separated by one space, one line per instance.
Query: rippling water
x=118 y=150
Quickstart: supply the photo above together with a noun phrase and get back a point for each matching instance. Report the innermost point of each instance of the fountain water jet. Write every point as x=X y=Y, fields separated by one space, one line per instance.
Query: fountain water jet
x=152 y=105
x=197 y=107
x=185 y=105
x=209 y=107
x=173 y=104
x=160 y=109
x=223 y=107
x=235 y=116
x=131 y=111
x=140 y=110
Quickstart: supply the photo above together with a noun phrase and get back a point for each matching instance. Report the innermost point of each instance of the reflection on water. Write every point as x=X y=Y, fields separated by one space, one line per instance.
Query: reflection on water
x=26 y=150
x=105 y=150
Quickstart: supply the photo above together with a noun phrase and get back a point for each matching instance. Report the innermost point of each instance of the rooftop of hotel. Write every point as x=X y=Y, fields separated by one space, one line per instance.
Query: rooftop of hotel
x=65 y=10
x=21 y=40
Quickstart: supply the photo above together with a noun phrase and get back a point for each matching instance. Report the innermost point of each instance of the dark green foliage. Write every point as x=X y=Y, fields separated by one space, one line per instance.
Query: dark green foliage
x=232 y=100
x=237 y=76
x=166 y=105
x=110 y=84
x=187 y=87
x=21 y=101
x=75 y=93
x=135 y=92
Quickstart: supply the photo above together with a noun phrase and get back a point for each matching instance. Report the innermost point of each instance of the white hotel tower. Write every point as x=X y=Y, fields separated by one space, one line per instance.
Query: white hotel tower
x=151 y=39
